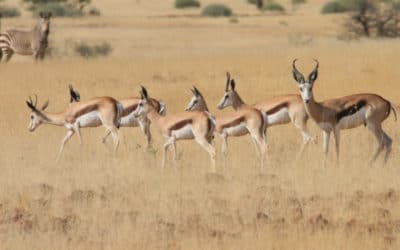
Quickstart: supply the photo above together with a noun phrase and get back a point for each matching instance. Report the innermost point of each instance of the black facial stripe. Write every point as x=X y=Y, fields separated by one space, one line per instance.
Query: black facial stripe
x=350 y=110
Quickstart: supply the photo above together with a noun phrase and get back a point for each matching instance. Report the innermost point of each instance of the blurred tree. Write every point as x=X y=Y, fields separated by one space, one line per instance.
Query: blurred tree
x=375 y=18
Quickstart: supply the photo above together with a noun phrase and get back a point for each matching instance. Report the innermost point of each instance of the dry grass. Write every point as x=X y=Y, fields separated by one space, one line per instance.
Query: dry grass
x=94 y=199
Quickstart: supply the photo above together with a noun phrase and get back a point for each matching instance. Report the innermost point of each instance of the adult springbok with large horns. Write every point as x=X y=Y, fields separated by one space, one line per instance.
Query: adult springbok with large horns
x=345 y=113
x=197 y=125
x=95 y=112
x=129 y=105
x=242 y=122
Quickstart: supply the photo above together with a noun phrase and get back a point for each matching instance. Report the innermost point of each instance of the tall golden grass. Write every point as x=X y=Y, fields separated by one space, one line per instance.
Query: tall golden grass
x=96 y=199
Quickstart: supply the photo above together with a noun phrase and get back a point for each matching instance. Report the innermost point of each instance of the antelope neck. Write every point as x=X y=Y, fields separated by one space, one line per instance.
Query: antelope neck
x=315 y=110
x=57 y=119
x=237 y=102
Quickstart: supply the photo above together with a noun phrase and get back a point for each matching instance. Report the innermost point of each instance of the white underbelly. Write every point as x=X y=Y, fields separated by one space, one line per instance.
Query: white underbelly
x=237 y=130
x=184 y=133
x=91 y=119
x=325 y=126
x=280 y=117
x=352 y=121
x=129 y=121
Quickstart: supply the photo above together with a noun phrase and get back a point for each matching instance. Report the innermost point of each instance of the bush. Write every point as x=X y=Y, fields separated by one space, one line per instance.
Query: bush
x=6 y=11
x=333 y=7
x=93 y=11
x=57 y=9
x=272 y=6
x=298 y=1
x=181 y=4
x=216 y=10
x=89 y=51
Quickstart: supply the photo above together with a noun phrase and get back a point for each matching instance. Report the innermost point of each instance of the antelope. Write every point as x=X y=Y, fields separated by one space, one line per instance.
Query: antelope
x=33 y=42
x=244 y=121
x=97 y=111
x=128 y=120
x=279 y=110
x=197 y=125
x=345 y=112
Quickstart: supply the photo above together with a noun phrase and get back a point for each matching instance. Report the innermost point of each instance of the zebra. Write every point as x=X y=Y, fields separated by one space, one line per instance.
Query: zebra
x=33 y=42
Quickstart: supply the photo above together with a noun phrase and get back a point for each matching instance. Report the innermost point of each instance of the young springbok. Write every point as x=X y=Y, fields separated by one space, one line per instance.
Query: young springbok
x=244 y=121
x=128 y=120
x=278 y=110
x=197 y=125
x=98 y=111
x=346 y=112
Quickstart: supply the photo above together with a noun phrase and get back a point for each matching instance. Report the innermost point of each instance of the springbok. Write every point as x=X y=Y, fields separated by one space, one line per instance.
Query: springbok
x=33 y=42
x=98 y=111
x=128 y=120
x=278 y=110
x=345 y=112
x=244 y=121
x=196 y=125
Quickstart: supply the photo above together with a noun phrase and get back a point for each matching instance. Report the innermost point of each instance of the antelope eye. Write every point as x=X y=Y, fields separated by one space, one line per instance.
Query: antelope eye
x=301 y=88
x=32 y=117
x=141 y=104
x=226 y=97
x=195 y=101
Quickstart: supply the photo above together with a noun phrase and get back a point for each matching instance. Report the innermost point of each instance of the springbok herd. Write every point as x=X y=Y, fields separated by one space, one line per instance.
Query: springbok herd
x=197 y=122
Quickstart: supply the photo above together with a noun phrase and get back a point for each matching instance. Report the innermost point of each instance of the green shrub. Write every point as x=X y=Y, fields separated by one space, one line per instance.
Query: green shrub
x=57 y=9
x=216 y=10
x=333 y=7
x=272 y=6
x=6 y=11
x=89 y=51
x=181 y=4
x=298 y=1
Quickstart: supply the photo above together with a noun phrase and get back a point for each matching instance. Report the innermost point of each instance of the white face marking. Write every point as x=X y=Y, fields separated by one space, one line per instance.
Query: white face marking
x=34 y=122
x=226 y=100
x=184 y=133
x=91 y=119
x=353 y=120
x=142 y=109
x=306 y=91
x=237 y=130
x=280 y=117
x=193 y=104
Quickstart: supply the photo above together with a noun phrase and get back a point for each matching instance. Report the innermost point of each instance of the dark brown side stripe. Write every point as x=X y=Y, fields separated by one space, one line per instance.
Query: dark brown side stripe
x=180 y=124
x=234 y=123
x=130 y=109
x=350 y=110
x=276 y=108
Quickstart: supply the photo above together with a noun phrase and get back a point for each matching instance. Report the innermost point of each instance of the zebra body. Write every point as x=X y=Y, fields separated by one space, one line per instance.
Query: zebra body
x=33 y=42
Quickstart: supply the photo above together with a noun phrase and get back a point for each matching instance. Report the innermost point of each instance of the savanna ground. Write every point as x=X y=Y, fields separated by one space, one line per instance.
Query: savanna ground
x=95 y=199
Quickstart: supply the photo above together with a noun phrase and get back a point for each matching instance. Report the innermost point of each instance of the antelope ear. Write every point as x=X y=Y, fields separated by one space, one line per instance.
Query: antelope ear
x=196 y=91
x=296 y=74
x=30 y=106
x=144 y=93
x=314 y=74
x=45 y=105
x=49 y=15
x=41 y=14
x=233 y=84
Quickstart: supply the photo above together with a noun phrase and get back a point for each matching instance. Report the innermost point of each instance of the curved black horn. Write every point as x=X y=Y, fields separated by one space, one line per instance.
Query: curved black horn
x=228 y=80
x=296 y=74
x=35 y=100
